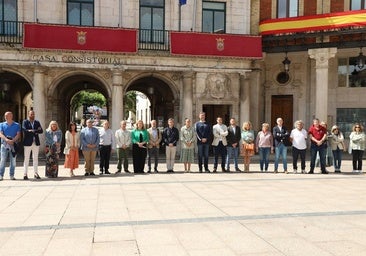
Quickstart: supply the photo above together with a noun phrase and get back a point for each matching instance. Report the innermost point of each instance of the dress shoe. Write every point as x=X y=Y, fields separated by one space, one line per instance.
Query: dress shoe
x=107 y=172
x=100 y=173
x=325 y=172
x=86 y=174
x=119 y=171
x=149 y=171
x=311 y=172
x=127 y=171
x=92 y=174
x=156 y=171
x=214 y=170
x=36 y=176
x=25 y=177
x=237 y=170
x=1 y=178
x=170 y=171
x=207 y=170
x=224 y=170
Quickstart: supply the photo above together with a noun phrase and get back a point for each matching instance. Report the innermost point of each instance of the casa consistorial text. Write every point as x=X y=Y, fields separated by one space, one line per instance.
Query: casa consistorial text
x=75 y=58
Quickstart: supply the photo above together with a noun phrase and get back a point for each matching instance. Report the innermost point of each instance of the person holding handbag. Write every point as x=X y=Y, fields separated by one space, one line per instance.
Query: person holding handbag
x=247 y=135
x=337 y=145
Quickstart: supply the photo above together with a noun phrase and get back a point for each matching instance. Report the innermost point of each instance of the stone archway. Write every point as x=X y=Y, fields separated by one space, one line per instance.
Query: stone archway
x=164 y=100
x=13 y=90
x=66 y=89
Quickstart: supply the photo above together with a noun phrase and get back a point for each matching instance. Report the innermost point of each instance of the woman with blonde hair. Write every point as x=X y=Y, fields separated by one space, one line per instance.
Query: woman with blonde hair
x=140 y=138
x=53 y=147
x=247 y=136
x=357 y=144
x=264 y=146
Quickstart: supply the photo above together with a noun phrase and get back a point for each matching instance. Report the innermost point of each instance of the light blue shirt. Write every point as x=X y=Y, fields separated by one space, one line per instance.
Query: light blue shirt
x=89 y=136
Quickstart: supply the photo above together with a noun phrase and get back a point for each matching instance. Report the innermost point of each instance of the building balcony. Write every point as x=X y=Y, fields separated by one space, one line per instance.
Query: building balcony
x=341 y=30
x=129 y=41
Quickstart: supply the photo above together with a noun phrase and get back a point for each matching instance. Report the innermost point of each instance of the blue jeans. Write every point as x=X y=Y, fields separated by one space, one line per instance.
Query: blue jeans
x=314 y=149
x=203 y=155
x=337 y=158
x=264 y=158
x=232 y=152
x=4 y=155
x=281 y=150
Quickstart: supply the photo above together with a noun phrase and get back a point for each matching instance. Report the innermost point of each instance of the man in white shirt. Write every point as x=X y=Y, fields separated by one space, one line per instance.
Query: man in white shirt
x=219 y=143
x=123 y=143
x=298 y=137
x=106 y=144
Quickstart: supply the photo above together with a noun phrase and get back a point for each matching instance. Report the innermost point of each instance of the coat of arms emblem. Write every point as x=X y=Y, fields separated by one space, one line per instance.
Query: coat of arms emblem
x=220 y=44
x=81 y=37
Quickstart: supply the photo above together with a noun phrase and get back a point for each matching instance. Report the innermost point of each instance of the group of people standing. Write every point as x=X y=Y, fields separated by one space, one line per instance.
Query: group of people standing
x=227 y=143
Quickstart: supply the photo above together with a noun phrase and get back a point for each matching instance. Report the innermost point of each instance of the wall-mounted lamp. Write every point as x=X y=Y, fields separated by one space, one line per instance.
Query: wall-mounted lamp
x=286 y=63
x=360 y=60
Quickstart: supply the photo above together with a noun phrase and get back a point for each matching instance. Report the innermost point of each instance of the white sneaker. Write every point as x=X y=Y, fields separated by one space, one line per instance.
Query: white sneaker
x=355 y=171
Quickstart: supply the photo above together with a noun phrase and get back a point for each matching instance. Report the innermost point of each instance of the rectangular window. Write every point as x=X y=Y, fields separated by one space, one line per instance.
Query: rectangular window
x=357 y=5
x=287 y=8
x=152 y=25
x=213 y=17
x=8 y=17
x=347 y=117
x=80 y=12
x=350 y=74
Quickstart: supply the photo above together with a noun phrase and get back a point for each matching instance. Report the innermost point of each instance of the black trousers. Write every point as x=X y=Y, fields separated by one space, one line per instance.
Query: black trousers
x=295 y=154
x=138 y=157
x=105 y=156
x=357 y=159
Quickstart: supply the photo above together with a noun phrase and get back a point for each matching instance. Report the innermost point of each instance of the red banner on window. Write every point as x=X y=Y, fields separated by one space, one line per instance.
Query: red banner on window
x=80 y=38
x=202 y=44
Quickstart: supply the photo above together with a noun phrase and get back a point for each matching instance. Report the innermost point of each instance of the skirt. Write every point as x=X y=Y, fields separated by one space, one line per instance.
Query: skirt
x=187 y=155
x=72 y=159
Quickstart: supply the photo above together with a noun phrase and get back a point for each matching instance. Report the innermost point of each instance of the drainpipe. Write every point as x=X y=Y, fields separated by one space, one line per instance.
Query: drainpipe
x=194 y=16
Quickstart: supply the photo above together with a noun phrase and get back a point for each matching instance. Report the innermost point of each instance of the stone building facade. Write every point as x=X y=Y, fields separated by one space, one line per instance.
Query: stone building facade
x=35 y=75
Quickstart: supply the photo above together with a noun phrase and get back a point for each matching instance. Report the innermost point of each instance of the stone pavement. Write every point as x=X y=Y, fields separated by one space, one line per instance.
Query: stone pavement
x=184 y=214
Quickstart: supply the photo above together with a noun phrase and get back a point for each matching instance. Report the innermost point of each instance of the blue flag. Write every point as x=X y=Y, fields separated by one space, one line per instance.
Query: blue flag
x=182 y=2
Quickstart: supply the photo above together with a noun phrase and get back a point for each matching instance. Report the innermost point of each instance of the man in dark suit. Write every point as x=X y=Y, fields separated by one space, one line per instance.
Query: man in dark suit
x=280 y=136
x=233 y=144
x=31 y=130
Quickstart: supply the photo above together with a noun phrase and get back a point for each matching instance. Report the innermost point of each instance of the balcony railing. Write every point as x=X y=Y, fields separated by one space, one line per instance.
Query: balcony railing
x=156 y=40
x=11 y=32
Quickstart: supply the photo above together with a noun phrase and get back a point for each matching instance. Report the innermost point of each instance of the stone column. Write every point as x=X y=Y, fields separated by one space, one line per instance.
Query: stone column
x=244 y=98
x=39 y=101
x=321 y=57
x=117 y=99
x=187 y=96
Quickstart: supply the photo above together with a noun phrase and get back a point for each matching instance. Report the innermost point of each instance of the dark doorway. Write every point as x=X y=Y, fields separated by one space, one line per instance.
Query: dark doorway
x=282 y=106
x=214 y=111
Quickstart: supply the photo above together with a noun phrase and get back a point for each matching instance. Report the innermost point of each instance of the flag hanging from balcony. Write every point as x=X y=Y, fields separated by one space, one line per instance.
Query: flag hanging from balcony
x=182 y=2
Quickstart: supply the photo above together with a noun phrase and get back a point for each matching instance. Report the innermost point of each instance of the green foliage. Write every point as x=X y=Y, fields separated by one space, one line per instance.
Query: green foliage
x=129 y=100
x=89 y=99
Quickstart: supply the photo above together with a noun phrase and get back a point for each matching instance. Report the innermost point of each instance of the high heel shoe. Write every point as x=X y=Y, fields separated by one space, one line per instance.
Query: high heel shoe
x=72 y=174
x=36 y=176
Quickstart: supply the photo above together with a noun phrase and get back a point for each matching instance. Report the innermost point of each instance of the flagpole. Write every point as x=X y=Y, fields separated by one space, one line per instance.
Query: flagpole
x=180 y=16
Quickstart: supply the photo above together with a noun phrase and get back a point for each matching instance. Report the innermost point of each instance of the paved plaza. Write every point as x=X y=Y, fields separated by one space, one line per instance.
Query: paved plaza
x=259 y=214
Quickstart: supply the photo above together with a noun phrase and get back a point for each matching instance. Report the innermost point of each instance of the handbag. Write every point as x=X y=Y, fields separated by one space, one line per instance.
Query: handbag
x=249 y=146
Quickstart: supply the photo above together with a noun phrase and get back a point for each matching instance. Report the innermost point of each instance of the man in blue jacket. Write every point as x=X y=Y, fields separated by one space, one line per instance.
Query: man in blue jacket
x=31 y=129
x=204 y=133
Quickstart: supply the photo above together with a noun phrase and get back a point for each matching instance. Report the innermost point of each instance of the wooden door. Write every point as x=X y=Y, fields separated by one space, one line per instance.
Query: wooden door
x=282 y=106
